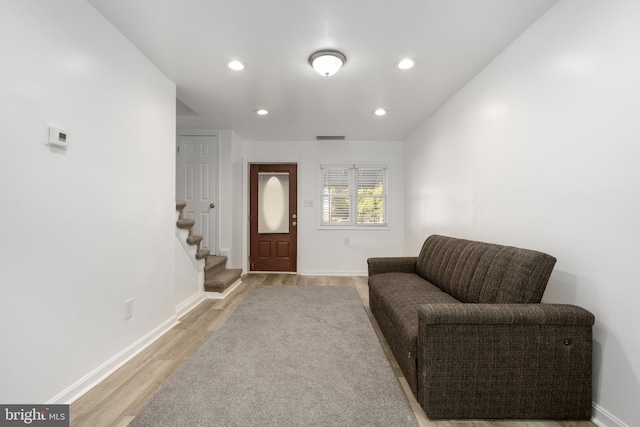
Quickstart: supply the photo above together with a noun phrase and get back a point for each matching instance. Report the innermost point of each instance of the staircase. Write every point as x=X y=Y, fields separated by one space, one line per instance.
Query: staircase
x=217 y=278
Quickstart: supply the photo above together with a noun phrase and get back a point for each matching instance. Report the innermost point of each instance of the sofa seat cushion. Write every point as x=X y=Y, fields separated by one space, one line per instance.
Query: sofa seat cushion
x=399 y=295
x=386 y=284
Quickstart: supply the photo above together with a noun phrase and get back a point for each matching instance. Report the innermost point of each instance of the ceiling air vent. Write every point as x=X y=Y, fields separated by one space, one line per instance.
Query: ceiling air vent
x=330 y=137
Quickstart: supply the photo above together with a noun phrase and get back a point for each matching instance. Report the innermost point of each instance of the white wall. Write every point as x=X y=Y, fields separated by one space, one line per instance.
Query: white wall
x=236 y=222
x=225 y=208
x=323 y=252
x=231 y=197
x=189 y=275
x=541 y=150
x=82 y=230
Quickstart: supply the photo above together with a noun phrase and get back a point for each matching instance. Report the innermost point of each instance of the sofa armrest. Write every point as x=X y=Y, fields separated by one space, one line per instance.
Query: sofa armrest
x=392 y=265
x=505 y=361
x=505 y=314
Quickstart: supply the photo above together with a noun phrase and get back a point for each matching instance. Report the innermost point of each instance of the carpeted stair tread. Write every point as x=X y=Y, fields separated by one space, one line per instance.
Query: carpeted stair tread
x=194 y=240
x=214 y=262
x=185 y=224
x=202 y=253
x=180 y=205
x=217 y=277
x=221 y=281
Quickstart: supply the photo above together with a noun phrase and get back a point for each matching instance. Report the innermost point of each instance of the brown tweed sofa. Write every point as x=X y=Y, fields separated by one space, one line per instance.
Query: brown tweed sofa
x=465 y=323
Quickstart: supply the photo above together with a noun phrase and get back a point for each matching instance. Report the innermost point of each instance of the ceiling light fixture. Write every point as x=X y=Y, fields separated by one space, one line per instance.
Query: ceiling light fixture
x=236 y=65
x=405 y=64
x=262 y=112
x=380 y=112
x=327 y=62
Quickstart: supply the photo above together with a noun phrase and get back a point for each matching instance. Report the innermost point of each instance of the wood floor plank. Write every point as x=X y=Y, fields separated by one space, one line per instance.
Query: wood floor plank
x=123 y=421
x=151 y=386
x=214 y=324
x=206 y=318
x=160 y=346
x=117 y=399
x=142 y=386
x=91 y=400
x=187 y=320
x=183 y=346
x=237 y=295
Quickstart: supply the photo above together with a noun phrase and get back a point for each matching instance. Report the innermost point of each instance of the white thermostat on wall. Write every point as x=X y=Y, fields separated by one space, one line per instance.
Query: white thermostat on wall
x=58 y=137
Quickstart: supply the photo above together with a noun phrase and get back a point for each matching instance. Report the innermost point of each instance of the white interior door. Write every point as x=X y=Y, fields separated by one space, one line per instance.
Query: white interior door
x=197 y=184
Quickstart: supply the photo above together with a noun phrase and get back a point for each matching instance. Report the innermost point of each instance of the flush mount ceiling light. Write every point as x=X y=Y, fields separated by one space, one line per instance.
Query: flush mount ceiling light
x=236 y=65
x=262 y=112
x=327 y=62
x=405 y=64
x=380 y=112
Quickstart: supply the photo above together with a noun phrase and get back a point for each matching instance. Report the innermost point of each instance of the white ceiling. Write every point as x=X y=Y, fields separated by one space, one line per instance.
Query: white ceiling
x=192 y=41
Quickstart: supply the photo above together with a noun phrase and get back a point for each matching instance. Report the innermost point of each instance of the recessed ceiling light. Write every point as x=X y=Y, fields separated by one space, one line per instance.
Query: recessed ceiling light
x=380 y=112
x=262 y=112
x=405 y=64
x=236 y=65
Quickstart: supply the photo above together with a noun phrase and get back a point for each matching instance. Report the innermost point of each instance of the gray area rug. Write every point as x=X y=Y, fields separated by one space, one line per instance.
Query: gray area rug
x=288 y=356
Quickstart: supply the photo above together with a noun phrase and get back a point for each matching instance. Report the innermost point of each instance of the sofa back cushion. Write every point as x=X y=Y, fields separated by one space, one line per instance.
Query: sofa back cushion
x=478 y=272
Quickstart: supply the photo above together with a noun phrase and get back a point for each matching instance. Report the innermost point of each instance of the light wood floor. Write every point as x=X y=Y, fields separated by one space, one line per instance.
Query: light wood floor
x=116 y=400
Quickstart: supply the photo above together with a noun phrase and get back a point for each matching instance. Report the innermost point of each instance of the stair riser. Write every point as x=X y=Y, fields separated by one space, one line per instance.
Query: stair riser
x=180 y=205
x=215 y=261
x=208 y=274
x=195 y=241
x=221 y=285
x=184 y=225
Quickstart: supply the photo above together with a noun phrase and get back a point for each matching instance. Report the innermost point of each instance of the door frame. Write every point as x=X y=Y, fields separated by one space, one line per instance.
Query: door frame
x=215 y=249
x=274 y=262
x=246 y=194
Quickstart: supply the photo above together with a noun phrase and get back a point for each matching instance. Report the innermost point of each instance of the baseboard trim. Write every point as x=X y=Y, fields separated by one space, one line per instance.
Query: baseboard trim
x=332 y=273
x=603 y=418
x=189 y=304
x=223 y=295
x=93 y=378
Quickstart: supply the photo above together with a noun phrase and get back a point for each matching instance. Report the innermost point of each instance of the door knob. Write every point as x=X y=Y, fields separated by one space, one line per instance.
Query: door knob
x=212 y=206
x=294 y=223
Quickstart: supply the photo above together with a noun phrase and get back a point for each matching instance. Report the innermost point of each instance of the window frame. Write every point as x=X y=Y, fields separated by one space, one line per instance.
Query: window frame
x=353 y=195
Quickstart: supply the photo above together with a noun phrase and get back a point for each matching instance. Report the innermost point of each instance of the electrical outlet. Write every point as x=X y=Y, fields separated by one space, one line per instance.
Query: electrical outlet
x=347 y=241
x=128 y=309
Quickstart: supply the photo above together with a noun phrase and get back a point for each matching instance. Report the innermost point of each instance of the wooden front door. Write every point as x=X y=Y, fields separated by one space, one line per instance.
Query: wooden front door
x=273 y=217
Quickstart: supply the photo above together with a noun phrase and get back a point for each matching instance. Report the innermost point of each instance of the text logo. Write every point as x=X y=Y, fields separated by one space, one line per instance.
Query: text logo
x=34 y=415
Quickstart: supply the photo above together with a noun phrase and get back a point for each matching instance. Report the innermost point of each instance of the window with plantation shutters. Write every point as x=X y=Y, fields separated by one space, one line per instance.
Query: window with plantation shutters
x=353 y=196
x=336 y=196
x=371 y=196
